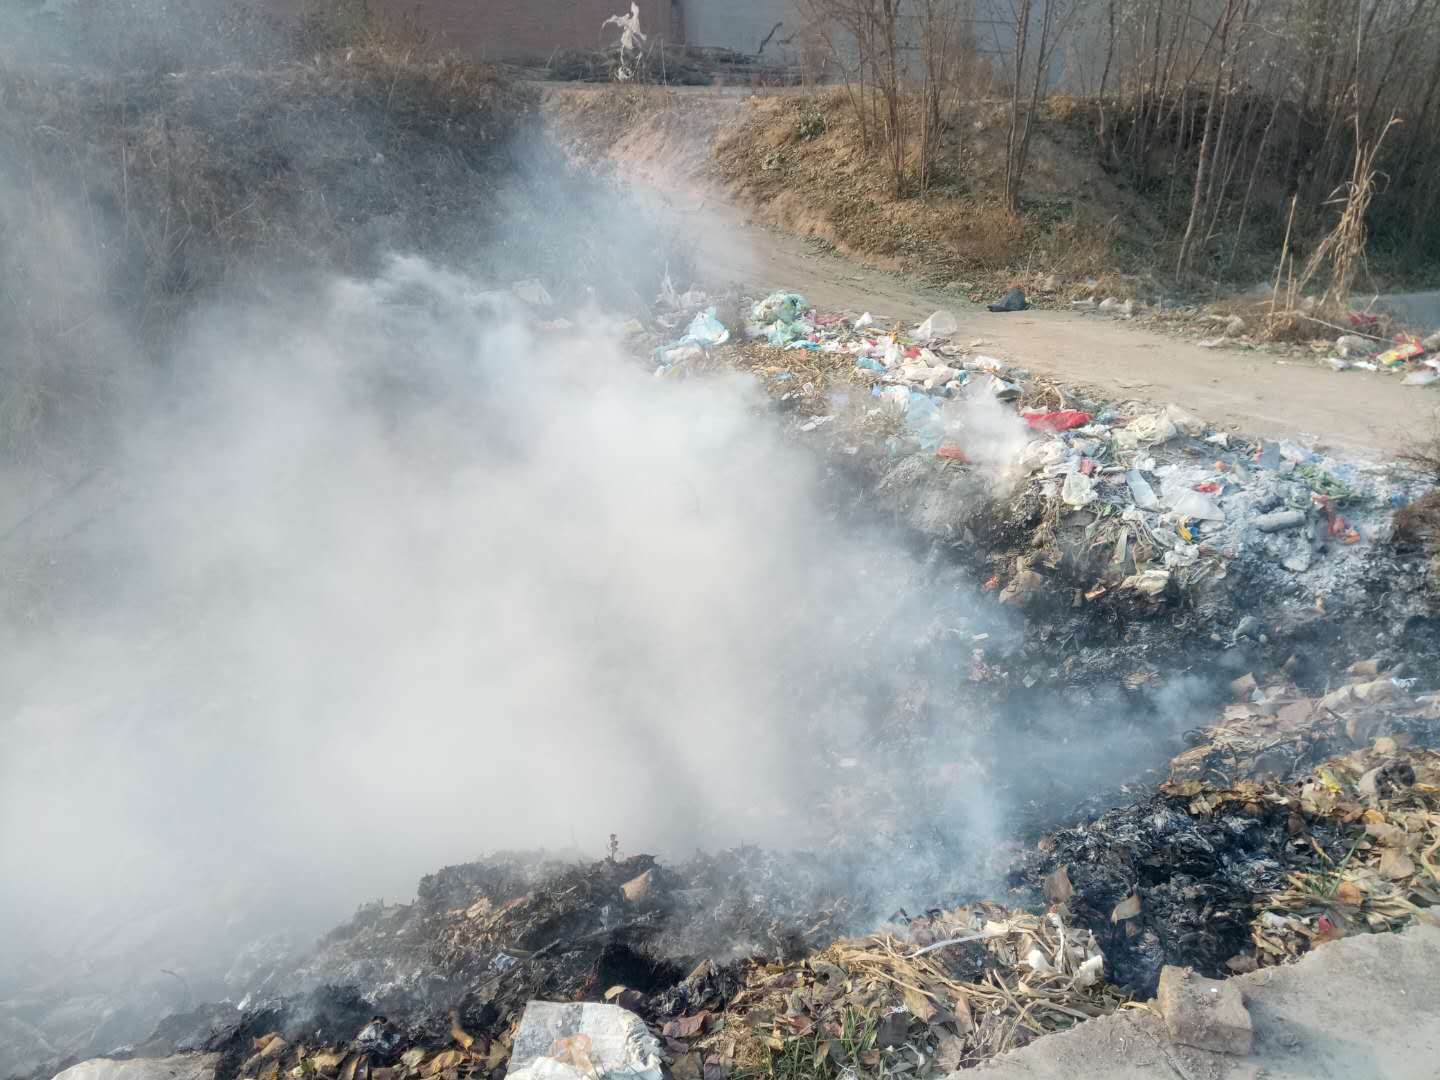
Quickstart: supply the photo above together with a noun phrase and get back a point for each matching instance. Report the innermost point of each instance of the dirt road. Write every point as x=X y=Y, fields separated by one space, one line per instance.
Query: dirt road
x=1249 y=392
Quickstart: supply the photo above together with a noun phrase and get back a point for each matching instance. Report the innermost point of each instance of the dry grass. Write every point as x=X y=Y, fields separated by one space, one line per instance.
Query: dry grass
x=973 y=983
x=800 y=160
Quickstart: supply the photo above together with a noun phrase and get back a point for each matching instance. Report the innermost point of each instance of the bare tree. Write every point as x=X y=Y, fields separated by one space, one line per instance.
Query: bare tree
x=1037 y=34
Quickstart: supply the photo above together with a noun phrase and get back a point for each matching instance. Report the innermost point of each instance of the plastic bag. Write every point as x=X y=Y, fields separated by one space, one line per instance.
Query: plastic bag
x=580 y=1041
x=940 y=324
x=779 y=307
x=1078 y=490
x=1141 y=491
x=705 y=329
x=1198 y=507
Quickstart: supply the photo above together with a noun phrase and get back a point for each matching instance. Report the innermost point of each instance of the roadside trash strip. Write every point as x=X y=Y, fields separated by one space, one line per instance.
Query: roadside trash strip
x=1418 y=360
x=1359 y=760
x=1295 y=820
x=917 y=996
x=1173 y=501
x=900 y=1001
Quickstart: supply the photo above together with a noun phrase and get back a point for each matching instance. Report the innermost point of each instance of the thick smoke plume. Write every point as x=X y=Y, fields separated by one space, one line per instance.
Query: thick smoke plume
x=386 y=577
x=347 y=576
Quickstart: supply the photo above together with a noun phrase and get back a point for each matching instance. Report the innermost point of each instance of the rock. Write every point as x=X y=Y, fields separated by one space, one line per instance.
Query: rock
x=1432 y=343
x=1372 y=693
x=1280 y=520
x=1248 y=627
x=639 y=889
x=1022 y=587
x=1110 y=303
x=1299 y=562
x=1338 y=700
x=575 y=1041
x=175 y=1067
x=1207 y=1014
x=1364 y=669
x=1234 y=326
x=1354 y=345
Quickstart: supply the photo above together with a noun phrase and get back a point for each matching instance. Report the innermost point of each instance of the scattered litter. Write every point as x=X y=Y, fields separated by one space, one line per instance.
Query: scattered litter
x=939 y=325
x=1058 y=421
x=1400 y=353
x=705 y=329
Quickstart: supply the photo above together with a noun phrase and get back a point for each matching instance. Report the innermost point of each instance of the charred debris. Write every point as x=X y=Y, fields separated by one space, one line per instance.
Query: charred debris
x=1303 y=813
x=1308 y=809
x=1292 y=821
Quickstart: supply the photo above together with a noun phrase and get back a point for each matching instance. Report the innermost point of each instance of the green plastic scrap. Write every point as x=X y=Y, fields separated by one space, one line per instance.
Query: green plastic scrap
x=1324 y=483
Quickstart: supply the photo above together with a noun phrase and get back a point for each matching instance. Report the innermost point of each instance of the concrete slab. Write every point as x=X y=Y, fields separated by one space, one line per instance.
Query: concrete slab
x=1366 y=1006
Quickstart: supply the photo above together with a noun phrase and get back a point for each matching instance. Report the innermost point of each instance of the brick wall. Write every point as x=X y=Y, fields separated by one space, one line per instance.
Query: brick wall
x=505 y=29
x=522 y=29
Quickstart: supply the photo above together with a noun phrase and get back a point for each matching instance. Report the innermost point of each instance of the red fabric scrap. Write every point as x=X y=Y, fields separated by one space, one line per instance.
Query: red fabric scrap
x=1063 y=420
x=1209 y=487
x=951 y=452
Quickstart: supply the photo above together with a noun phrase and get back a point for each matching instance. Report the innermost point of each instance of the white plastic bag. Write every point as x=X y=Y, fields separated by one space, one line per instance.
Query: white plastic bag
x=940 y=324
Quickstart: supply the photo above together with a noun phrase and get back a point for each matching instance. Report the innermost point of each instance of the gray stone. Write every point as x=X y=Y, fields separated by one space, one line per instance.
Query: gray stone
x=1248 y=627
x=1208 y=1014
x=1355 y=345
x=1280 y=520
x=176 y=1067
x=1432 y=343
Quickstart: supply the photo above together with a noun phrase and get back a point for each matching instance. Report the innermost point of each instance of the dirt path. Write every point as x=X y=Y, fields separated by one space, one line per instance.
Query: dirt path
x=1249 y=392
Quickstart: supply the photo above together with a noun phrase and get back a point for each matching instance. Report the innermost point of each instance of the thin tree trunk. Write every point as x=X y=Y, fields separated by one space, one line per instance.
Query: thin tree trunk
x=1182 y=262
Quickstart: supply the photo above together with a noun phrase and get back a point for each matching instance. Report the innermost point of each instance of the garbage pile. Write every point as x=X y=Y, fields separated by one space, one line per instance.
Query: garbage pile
x=1417 y=359
x=919 y=996
x=1126 y=503
x=928 y=996
x=1293 y=820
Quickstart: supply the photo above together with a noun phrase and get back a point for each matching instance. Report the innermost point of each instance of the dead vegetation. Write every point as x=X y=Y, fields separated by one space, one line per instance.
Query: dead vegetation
x=824 y=184
x=1190 y=145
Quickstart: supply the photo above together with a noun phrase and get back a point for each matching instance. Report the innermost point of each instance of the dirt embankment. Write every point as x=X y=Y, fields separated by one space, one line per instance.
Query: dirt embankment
x=797 y=161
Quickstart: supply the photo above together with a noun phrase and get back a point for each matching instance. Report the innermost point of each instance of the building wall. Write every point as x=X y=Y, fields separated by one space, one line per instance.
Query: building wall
x=739 y=24
x=504 y=29
x=521 y=29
